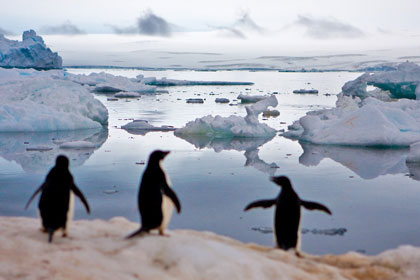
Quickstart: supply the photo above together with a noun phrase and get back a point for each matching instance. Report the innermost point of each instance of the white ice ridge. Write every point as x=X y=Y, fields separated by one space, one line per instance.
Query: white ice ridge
x=232 y=126
x=39 y=101
x=100 y=251
x=31 y=52
x=403 y=82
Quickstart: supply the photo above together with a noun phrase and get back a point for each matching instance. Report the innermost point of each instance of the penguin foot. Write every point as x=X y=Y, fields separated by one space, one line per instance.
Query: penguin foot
x=298 y=254
x=162 y=233
x=64 y=234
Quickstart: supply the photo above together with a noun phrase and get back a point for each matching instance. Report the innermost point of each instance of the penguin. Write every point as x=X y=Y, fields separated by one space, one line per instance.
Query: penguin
x=56 y=202
x=155 y=197
x=287 y=214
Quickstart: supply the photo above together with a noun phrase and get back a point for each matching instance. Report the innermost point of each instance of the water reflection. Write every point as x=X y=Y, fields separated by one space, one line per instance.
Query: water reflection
x=368 y=163
x=249 y=145
x=36 y=152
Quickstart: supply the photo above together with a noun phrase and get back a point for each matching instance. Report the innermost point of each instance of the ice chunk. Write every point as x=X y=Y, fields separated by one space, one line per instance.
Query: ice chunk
x=251 y=98
x=78 y=145
x=222 y=100
x=195 y=100
x=232 y=126
x=305 y=91
x=400 y=83
x=31 y=52
x=414 y=155
x=127 y=94
x=143 y=127
x=100 y=252
x=41 y=102
x=271 y=113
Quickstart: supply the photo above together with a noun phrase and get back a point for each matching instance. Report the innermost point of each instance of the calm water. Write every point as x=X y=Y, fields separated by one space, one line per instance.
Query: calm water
x=373 y=195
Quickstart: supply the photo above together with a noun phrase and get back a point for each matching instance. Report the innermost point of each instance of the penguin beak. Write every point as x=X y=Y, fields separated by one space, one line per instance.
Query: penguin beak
x=274 y=180
x=166 y=153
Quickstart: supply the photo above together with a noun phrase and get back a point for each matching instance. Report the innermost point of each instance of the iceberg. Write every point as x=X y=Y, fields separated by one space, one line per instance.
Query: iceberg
x=100 y=251
x=142 y=127
x=32 y=101
x=251 y=98
x=305 y=91
x=222 y=100
x=232 y=126
x=31 y=52
x=403 y=82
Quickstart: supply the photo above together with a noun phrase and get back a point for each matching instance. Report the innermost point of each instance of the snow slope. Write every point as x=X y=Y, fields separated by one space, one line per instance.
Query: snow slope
x=97 y=250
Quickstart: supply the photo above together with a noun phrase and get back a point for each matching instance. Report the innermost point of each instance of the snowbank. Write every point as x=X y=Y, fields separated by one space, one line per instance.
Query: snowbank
x=38 y=101
x=97 y=250
x=31 y=52
x=232 y=126
x=401 y=83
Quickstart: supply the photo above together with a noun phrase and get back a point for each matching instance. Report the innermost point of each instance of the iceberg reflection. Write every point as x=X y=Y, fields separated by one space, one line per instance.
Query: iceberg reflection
x=36 y=151
x=368 y=163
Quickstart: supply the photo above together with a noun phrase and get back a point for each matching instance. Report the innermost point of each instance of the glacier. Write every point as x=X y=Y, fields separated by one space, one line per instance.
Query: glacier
x=366 y=118
x=31 y=52
x=232 y=126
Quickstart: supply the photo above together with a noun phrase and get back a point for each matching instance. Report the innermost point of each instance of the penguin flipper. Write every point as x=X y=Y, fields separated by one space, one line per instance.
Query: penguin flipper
x=171 y=194
x=310 y=205
x=265 y=203
x=80 y=195
x=35 y=193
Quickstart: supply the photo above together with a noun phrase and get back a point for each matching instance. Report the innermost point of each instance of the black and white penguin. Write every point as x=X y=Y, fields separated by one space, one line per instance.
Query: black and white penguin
x=287 y=214
x=56 y=202
x=155 y=199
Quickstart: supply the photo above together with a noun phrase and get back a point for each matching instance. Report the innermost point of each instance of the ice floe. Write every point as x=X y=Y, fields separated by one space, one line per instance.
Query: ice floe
x=142 y=127
x=305 y=91
x=100 y=251
x=38 y=101
x=31 y=52
x=232 y=126
x=251 y=98
x=222 y=100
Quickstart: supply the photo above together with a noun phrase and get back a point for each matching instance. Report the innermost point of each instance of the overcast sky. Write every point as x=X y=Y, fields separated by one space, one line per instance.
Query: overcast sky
x=101 y=16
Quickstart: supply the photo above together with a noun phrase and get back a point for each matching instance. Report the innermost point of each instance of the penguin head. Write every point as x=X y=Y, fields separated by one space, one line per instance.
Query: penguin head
x=281 y=181
x=158 y=155
x=62 y=162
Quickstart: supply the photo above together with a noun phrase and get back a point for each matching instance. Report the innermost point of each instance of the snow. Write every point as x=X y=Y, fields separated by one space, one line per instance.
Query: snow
x=414 y=154
x=232 y=126
x=31 y=52
x=143 y=125
x=38 y=101
x=97 y=250
x=78 y=145
x=251 y=98
x=403 y=82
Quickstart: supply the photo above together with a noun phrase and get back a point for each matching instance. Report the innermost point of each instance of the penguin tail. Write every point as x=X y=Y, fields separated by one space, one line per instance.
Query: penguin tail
x=138 y=232
x=50 y=234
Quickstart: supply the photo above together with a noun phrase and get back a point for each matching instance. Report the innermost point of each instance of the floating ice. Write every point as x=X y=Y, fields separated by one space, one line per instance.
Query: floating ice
x=370 y=122
x=271 y=113
x=30 y=53
x=195 y=100
x=251 y=98
x=400 y=83
x=144 y=126
x=414 y=155
x=38 y=101
x=221 y=100
x=127 y=94
x=305 y=91
x=78 y=145
x=232 y=126
x=100 y=251
x=172 y=82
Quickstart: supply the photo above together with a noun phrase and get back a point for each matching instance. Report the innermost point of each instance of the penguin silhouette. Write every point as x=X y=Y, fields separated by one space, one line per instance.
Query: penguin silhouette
x=155 y=197
x=56 y=202
x=287 y=214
